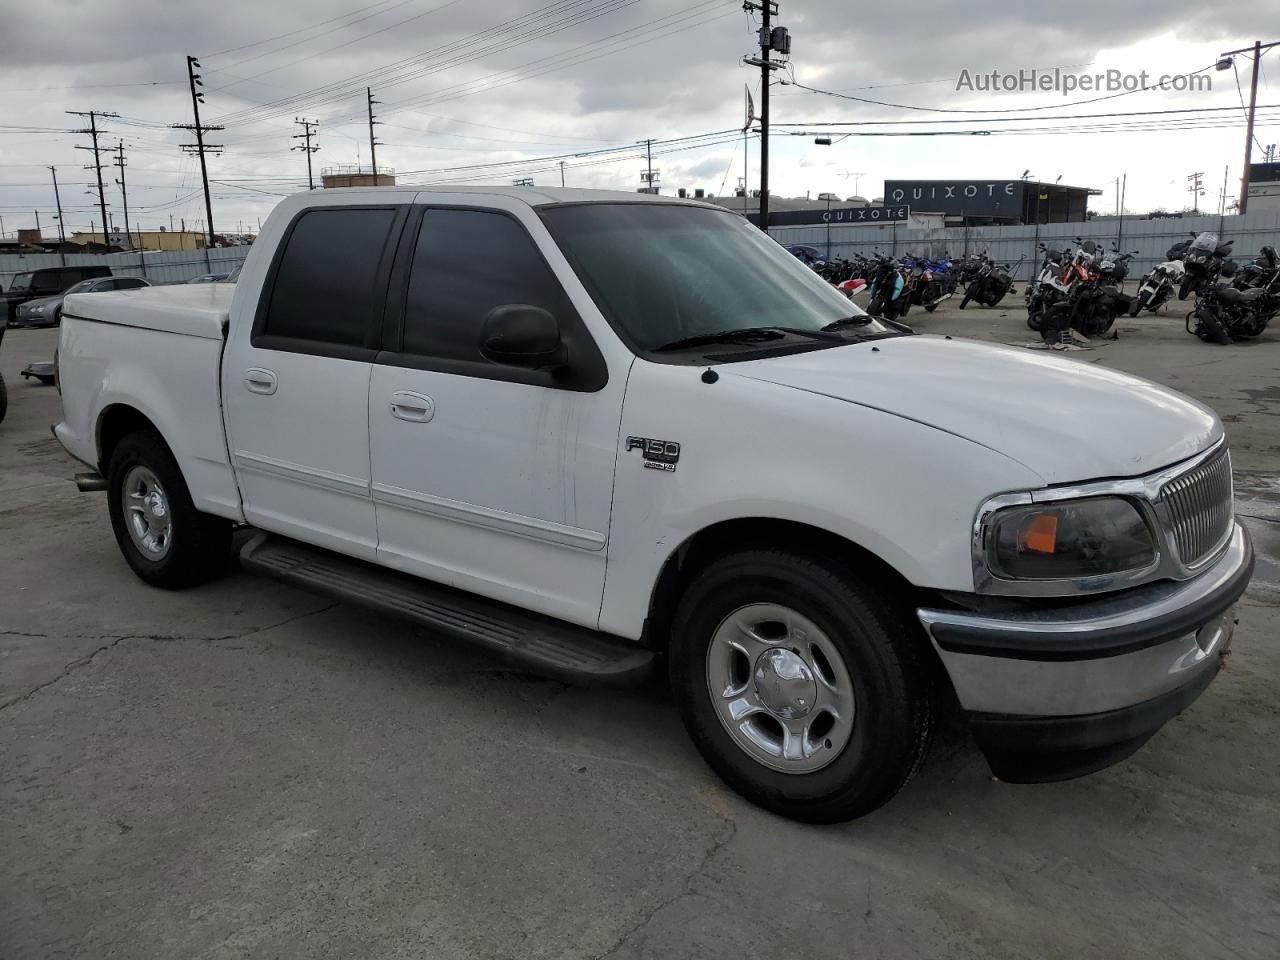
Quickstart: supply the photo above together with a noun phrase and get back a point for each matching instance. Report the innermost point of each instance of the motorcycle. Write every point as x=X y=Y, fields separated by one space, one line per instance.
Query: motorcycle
x=4 y=393
x=1047 y=288
x=1157 y=287
x=932 y=283
x=990 y=284
x=1225 y=313
x=890 y=295
x=1090 y=299
x=1203 y=260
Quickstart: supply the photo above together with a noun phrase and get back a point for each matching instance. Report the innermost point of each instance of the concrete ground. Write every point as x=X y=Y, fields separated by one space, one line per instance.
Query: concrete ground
x=243 y=770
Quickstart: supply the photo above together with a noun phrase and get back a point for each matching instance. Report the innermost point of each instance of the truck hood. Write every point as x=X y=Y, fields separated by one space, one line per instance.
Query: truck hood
x=1067 y=421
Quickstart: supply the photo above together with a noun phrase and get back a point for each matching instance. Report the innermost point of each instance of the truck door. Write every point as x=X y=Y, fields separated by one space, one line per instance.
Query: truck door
x=491 y=476
x=295 y=378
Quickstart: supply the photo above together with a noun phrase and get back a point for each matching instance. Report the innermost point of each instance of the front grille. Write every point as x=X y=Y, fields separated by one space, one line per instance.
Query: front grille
x=1200 y=508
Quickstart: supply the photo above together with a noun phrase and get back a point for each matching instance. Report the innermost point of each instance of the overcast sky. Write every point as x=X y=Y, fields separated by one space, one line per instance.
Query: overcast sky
x=466 y=84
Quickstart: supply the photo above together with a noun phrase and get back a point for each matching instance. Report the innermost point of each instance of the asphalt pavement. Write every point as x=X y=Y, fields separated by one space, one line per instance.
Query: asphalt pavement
x=245 y=770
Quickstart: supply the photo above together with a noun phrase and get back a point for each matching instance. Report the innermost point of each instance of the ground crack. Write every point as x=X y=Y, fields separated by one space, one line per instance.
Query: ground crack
x=686 y=888
x=65 y=672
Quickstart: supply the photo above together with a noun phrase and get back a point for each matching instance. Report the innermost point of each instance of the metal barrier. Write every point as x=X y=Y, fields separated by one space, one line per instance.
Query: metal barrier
x=1151 y=238
x=169 y=266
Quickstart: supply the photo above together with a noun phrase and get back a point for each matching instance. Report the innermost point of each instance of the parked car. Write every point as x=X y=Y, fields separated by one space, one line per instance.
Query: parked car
x=707 y=458
x=47 y=311
x=45 y=283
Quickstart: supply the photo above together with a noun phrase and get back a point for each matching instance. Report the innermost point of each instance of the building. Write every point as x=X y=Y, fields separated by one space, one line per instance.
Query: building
x=828 y=208
x=161 y=239
x=1264 y=186
x=1002 y=202
x=354 y=175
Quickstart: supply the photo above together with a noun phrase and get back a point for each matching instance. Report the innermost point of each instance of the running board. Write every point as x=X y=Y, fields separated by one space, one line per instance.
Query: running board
x=529 y=640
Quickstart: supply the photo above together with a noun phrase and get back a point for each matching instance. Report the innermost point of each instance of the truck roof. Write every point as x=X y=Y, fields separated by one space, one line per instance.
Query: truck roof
x=534 y=196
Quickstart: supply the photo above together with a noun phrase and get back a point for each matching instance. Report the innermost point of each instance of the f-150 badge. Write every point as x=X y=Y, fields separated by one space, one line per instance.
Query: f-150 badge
x=657 y=454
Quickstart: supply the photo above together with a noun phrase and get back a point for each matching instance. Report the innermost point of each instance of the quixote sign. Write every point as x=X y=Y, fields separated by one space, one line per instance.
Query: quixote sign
x=982 y=198
x=898 y=213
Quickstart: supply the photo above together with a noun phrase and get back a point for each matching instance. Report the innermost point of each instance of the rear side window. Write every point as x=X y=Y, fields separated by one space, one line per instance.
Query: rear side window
x=325 y=286
x=467 y=262
x=129 y=283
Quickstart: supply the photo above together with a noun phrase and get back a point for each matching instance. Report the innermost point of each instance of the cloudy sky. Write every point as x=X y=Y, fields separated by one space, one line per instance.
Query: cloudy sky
x=488 y=92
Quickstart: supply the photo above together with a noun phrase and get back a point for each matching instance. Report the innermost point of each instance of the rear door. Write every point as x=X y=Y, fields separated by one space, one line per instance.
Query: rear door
x=295 y=381
x=496 y=479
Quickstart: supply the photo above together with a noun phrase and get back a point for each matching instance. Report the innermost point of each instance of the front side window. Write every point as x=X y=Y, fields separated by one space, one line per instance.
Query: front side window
x=21 y=283
x=465 y=263
x=664 y=272
x=326 y=282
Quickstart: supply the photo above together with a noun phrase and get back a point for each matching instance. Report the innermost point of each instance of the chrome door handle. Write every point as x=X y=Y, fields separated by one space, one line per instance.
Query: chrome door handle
x=413 y=407
x=259 y=380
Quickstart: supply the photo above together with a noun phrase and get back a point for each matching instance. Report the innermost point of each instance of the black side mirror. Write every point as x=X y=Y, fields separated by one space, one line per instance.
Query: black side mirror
x=520 y=335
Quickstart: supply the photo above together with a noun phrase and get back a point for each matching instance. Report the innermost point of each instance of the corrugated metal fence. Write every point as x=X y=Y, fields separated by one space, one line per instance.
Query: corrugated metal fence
x=1151 y=238
x=170 y=266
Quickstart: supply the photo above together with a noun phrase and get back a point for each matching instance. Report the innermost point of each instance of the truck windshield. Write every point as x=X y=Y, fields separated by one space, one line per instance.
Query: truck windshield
x=666 y=273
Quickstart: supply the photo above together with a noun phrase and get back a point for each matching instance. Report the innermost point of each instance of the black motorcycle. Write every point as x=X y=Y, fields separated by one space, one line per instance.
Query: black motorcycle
x=1225 y=313
x=1203 y=260
x=989 y=285
x=4 y=392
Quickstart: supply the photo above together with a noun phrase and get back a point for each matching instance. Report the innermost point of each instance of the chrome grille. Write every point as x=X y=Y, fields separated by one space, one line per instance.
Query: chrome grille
x=1200 y=508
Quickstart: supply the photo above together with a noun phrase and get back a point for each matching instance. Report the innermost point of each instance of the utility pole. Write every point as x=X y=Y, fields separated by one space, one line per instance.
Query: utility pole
x=373 y=143
x=1196 y=187
x=93 y=132
x=1224 y=62
x=771 y=39
x=308 y=131
x=650 y=176
x=57 y=199
x=200 y=130
x=562 y=173
x=124 y=194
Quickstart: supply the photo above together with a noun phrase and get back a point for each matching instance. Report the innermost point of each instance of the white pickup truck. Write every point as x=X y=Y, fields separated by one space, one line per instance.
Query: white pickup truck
x=596 y=432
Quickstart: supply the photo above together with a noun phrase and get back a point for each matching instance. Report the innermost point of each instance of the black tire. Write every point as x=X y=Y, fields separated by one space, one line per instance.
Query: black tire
x=1135 y=308
x=882 y=652
x=876 y=306
x=1213 y=326
x=1186 y=288
x=198 y=543
x=1033 y=320
x=4 y=399
x=930 y=307
x=964 y=302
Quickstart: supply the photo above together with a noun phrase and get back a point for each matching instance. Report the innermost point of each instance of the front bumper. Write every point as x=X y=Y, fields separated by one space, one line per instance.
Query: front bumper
x=1053 y=693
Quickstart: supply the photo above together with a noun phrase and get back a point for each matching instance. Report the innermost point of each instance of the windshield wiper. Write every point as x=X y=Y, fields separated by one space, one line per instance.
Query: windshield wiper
x=857 y=320
x=741 y=335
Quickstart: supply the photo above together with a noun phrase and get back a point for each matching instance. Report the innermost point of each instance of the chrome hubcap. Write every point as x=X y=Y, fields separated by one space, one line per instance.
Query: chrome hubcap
x=146 y=512
x=780 y=688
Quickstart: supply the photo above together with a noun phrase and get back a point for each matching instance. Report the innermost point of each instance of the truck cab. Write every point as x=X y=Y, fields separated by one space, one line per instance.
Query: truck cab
x=605 y=433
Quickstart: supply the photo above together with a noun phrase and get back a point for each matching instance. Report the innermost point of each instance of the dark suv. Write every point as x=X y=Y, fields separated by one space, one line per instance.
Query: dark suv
x=45 y=283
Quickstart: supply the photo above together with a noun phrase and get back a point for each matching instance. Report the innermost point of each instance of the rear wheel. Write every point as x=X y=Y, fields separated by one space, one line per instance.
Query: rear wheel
x=801 y=687
x=163 y=537
x=1210 y=323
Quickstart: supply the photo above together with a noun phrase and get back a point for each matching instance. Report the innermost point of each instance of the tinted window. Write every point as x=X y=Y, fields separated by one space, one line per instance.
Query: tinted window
x=130 y=283
x=325 y=285
x=666 y=271
x=467 y=262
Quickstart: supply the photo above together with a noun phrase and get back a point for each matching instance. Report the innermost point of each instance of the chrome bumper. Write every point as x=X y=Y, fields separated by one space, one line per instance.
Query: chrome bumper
x=1098 y=656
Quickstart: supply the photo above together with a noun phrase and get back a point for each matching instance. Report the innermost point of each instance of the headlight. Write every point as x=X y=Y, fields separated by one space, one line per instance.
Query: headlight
x=1068 y=540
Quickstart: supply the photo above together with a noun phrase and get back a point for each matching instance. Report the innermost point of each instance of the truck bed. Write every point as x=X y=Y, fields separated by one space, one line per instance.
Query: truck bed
x=189 y=309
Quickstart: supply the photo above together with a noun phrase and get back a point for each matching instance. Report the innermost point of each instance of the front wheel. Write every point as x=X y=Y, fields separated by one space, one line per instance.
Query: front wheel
x=802 y=687
x=1187 y=287
x=930 y=307
x=163 y=537
x=4 y=399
